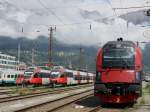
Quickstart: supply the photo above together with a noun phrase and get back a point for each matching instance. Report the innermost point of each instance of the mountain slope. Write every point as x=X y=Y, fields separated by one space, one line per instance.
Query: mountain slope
x=62 y=54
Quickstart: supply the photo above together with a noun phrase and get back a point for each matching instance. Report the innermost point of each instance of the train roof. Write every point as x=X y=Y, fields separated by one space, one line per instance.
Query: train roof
x=114 y=44
x=12 y=71
x=75 y=72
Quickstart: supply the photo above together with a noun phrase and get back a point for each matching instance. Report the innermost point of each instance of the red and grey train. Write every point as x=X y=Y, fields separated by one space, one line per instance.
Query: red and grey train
x=60 y=77
x=70 y=77
x=40 y=77
x=119 y=72
x=25 y=78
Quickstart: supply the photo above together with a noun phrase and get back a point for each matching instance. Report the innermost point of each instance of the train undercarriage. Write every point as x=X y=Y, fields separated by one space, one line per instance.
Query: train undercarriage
x=118 y=93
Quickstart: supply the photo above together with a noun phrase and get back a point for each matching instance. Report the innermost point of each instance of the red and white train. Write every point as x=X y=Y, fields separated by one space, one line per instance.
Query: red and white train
x=60 y=77
x=40 y=77
x=24 y=78
x=70 y=77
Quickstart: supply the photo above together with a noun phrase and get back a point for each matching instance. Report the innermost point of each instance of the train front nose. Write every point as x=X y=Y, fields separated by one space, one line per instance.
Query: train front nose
x=116 y=76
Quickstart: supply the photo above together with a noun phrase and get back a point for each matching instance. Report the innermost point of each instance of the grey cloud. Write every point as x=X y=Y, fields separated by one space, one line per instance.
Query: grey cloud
x=137 y=17
x=30 y=14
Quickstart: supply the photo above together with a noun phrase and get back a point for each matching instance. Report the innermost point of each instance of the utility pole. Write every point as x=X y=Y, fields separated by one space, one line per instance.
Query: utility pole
x=80 y=58
x=32 y=56
x=18 y=55
x=50 y=50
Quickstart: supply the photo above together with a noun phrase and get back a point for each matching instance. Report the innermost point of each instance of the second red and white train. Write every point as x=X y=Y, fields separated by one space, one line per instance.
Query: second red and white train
x=60 y=76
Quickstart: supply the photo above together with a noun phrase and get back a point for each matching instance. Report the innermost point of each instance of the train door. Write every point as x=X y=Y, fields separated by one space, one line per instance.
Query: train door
x=79 y=77
x=1 y=73
x=45 y=78
x=63 y=79
x=70 y=79
x=87 y=78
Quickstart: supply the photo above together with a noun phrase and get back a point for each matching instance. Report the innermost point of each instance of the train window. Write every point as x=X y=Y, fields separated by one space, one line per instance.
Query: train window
x=8 y=76
x=36 y=75
x=79 y=77
x=44 y=75
x=88 y=77
x=12 y=76
x=62 y=75
x=47 y=75
x=76 y=77
x=82 y=77
x=69 y=74
x=41 y=75
x=26 y=76
x=16 y=76
x=55 y=74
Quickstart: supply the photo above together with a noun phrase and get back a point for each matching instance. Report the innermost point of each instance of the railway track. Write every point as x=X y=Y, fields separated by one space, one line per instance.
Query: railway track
x=5 y=91
x=21 y=105
x=96 y=109
x=52 y=91
x=64 y=105
x=58 y=104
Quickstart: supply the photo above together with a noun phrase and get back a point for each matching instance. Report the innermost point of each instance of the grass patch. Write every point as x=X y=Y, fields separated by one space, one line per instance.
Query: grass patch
x=142 y=102
x=29 y=90
x=37 y=89
x=147 y=88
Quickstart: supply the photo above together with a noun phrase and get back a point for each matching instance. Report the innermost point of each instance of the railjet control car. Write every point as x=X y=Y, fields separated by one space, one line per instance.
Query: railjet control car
x=24 y=79
x=119 y=72
x=70 y=77
x=40 y=77
x=60 y=76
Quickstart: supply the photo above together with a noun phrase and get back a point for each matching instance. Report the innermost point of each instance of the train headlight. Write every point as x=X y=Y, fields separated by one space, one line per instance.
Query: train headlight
x=98 y=77
x=138 y=76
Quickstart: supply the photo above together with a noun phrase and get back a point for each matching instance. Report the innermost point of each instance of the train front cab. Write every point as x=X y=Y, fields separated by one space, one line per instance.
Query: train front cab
x=40 y=78
x=62 y=78
x=9 y=77
x=118 y=85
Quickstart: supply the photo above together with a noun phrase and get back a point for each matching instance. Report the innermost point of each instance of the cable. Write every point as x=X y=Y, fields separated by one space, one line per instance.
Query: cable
x=76 y=23
x=76 y=6
x=126 y=15
x=127 y=24
x=137 y=7
x=115 y=15
x=51 y=11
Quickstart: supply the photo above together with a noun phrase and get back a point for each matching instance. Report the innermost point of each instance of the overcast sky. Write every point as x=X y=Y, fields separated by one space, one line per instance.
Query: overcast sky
x=73 y=18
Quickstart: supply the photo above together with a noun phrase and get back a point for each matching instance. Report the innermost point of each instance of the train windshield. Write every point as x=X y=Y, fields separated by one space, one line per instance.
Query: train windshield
x=119 y=58
x=55 y=74
x=28 y=73
x=41 y=75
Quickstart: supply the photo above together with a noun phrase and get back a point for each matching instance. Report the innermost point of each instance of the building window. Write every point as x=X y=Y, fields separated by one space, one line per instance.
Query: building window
x=8 y=76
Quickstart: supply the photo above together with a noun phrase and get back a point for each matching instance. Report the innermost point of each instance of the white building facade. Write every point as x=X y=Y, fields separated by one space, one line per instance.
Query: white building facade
x=8 y=62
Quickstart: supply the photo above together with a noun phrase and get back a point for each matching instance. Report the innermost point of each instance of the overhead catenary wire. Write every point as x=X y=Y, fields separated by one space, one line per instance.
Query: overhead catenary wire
x=76 y=6
x=133 y=7
x=72 y=24
x=121 y=4
x=53 y=13
x=115 y=15
x=64 y=24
